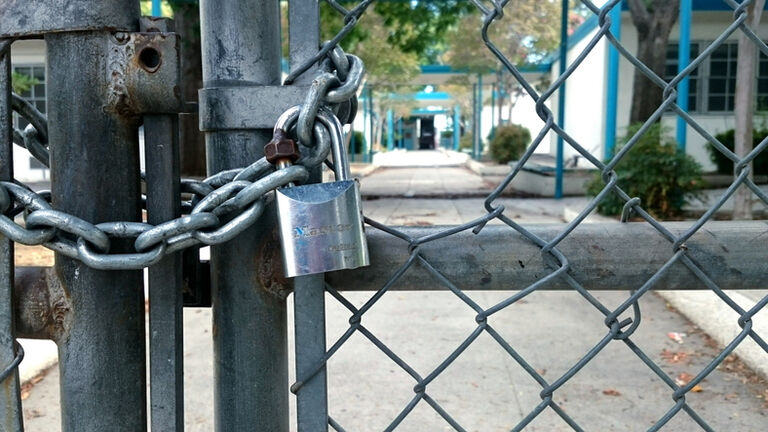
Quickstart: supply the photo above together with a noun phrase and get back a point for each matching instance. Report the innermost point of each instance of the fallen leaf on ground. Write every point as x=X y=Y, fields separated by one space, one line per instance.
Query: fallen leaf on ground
x=673 y=357
x=684 y=378
x=675 y=336
x=611 y=392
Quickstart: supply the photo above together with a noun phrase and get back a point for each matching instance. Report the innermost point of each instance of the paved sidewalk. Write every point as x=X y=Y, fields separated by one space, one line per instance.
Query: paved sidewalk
x=485 y=390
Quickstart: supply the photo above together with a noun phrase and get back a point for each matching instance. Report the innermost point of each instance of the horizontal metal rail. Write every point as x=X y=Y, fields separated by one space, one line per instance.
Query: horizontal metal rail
x=601 y=257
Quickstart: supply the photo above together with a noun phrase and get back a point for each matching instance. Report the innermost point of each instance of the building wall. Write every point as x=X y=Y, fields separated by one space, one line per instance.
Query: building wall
x=27 y=53
x=706 y=26
x=585 y=94
x=586 y=90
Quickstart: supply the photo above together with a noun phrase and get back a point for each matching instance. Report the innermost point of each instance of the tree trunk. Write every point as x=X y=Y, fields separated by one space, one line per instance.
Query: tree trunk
x=744 y=106
x=653 y=24
x=191 y=140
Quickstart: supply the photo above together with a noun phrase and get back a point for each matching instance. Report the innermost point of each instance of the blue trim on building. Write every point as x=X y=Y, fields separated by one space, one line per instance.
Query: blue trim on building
x=684 y=58
x=427 y=111
x=612 y=96
x=705 y=6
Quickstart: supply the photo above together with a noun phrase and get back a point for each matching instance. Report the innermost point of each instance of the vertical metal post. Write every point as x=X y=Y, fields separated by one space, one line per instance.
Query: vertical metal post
x=95 y=176
x=611 y=106
x=166 y=325
x=683 y=59
x=390 y=130
x=241 y=46
x=308 y=291
x=372 y=119
x=456 y=127
x=474 y=121
x=10 y=398
x=479 y=116
x=493 y=106
x=366 y=124
x=156 y=8
x=559 y=164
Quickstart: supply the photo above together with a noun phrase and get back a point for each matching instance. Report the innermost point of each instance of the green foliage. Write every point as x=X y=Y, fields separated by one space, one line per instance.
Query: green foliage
x=465 y=142
x=22 y=83
x=725 y=165
x=525 y=36
x=509 y=143
x=358 y=141
x=413 y=28
x=655 y=171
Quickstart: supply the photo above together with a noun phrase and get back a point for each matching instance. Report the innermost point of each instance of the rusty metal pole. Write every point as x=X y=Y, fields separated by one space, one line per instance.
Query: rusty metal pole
x=241 y=47
x=10 y=411
x=95 y=176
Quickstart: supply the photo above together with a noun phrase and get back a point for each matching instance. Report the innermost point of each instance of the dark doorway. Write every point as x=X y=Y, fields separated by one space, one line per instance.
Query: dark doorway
x=427 y=137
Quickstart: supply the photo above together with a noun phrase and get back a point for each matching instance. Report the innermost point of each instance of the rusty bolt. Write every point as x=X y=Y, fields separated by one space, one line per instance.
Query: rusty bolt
x=122 y=37
x=281 y=148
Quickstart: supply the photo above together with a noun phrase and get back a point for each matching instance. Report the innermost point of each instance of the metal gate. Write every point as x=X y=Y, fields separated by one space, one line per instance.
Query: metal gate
x=110 y=70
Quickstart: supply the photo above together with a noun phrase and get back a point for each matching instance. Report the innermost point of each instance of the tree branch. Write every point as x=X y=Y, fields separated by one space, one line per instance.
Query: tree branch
x=641 y=17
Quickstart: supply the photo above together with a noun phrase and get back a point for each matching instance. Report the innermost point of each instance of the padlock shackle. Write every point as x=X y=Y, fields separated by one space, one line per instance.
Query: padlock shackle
x=325 y=116
x=332 y=123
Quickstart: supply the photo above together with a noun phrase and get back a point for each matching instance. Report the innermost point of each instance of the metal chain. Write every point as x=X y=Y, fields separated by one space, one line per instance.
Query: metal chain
x=223 y=206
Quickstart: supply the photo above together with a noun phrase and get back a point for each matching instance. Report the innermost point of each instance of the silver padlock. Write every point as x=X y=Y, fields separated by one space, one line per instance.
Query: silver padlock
x=321 y=225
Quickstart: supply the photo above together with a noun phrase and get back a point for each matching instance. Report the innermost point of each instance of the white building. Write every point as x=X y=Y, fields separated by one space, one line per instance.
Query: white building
x=28 y=58
x=712 y=85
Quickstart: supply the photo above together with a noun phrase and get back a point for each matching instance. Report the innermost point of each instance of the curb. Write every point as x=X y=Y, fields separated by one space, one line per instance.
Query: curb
x=39 y=356
x=715 y=318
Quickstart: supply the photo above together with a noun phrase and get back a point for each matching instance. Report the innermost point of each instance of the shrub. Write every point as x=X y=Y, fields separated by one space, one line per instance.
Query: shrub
x=358 y=141
x=509 y=143
x=465 y=142
x=725 y=165
x=656 y=172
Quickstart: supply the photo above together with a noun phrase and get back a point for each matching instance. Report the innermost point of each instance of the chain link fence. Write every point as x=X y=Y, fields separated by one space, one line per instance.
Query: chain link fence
x=618 y=329
x=227 y=205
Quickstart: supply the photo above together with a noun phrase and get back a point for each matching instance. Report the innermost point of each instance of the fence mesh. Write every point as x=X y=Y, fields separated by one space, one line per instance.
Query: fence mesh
x=621 y=322
x=618 y=329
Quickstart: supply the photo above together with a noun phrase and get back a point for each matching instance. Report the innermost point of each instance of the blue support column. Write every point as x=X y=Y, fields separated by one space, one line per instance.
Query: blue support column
x=493 y=106
x=401 y=141
x=366 y=124
x=684 y=58
x=373 y=135
x=456 y=127
x=474 y=121
x=390 y=130
x=612 y=102
x=479 y=116
x=559 y=170
x=156 y=10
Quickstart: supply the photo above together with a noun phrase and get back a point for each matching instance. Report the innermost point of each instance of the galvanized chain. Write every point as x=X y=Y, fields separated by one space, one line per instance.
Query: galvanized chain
x=621 y=322
x=224 y=205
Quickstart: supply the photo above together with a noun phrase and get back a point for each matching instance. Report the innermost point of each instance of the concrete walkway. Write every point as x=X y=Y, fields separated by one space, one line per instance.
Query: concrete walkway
x=485 y=389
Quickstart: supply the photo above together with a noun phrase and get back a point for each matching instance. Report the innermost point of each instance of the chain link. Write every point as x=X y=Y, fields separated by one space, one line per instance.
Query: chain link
x=223 y=205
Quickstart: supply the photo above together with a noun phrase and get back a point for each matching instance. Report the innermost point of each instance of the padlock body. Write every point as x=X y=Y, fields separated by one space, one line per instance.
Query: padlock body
x=321 y=227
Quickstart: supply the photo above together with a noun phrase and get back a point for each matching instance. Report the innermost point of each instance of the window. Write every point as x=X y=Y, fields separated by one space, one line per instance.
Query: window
x=722 y=77
x=670 y=71
x=713 y=84
x=36 y=94
x=762 y=83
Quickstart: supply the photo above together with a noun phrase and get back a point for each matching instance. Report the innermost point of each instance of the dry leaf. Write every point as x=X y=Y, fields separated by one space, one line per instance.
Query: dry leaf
x=673 y=357
x=611 y=392
x=684 y=378
x=675 y=336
